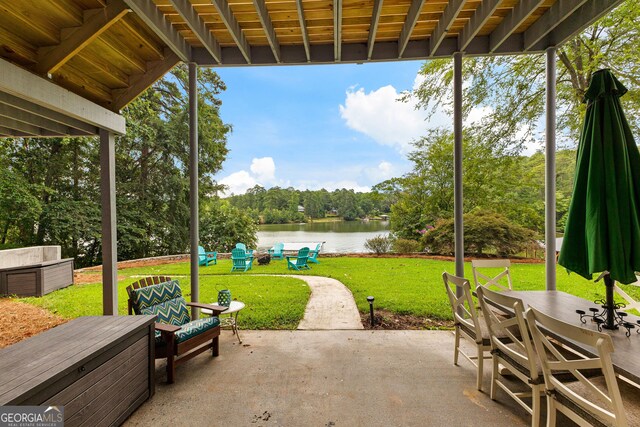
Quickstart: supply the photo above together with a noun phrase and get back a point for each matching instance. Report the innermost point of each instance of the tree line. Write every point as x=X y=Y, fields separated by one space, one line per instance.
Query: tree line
x=282 y=205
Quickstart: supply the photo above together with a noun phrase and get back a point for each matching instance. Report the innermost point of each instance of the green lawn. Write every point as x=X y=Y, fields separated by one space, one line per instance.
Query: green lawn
x=272 y=302
x=401 y=285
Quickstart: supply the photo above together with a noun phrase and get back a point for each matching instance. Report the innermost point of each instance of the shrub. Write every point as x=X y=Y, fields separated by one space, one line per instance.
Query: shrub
x=406 y=246
x=223 y=225
x=482 y=231
x=379 y=244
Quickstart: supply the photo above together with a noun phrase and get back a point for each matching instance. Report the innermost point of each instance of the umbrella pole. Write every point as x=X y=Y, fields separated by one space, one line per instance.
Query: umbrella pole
x=609 y=305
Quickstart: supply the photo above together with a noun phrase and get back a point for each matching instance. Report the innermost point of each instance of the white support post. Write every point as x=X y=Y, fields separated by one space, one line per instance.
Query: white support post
x=457 y=164
x=193 y=180
x=109 y=232
x=550 y=173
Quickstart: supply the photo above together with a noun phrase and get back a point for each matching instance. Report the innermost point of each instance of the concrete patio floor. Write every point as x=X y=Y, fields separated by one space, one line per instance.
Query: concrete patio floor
x=328 y=378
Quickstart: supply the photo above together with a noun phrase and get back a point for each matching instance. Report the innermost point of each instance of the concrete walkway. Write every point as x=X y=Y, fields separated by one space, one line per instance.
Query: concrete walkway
x=330 y=307
x=328 y=378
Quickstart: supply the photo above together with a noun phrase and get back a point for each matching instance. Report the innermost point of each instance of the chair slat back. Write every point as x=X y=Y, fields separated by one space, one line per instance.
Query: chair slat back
x=543 y=329
x=147 y=281
x=490 y=281
x=462 y=307
x=303 y=256
x=508 y=334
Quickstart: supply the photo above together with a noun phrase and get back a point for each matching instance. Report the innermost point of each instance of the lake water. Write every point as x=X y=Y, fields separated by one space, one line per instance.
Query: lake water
x=339 y=236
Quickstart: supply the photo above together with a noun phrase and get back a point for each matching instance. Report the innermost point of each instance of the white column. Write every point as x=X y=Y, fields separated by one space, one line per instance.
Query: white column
x=457 y=163
x=193 y=181
x=109 y=232
x=550 y=173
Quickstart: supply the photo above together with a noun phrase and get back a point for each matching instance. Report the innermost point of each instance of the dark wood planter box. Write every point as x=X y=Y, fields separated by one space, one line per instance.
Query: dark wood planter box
x=99 y=368
x=36 y=279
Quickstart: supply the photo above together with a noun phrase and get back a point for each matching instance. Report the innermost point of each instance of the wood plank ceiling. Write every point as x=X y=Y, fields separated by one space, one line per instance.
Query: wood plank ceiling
x=110 y=51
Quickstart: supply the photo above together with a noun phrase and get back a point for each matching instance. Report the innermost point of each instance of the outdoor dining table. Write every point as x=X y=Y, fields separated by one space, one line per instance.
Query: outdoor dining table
x=563 y=306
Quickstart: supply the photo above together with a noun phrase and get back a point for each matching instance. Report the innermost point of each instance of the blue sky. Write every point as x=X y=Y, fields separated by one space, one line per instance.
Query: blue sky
x=324 y=126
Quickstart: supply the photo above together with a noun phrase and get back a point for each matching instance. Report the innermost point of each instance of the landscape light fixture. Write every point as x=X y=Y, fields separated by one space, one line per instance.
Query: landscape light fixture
x=370 y=299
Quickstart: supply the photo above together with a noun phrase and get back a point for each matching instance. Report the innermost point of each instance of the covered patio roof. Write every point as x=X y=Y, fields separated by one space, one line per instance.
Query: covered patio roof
x=67 y=67
x=110 y=51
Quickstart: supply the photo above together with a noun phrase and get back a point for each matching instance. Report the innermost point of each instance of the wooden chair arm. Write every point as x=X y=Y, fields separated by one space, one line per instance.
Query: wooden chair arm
x=215 y=309
x=165 y=328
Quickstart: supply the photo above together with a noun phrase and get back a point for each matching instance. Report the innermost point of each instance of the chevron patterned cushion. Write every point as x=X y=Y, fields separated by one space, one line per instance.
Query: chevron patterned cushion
x=196 y=327
x=172 y=312
x=191 y=329
x=156 y=294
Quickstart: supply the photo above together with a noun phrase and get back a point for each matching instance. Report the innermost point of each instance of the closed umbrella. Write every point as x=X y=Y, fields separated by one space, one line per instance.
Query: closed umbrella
x=602 y=233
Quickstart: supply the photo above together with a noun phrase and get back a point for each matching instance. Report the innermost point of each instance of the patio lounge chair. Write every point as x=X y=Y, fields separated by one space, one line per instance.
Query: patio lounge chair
x=178 y=338
x=241 y=260
x=299 y=262
x=244 y=248
x=313 y=255
x=205 y=258
x=276 y=251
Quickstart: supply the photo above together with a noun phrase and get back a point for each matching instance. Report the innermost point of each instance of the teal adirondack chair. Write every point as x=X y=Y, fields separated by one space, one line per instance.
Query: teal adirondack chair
x=244 y=248
x=313 y=255
x=241 y=261
x=205 y=258
x=299 y=262
x=276 y=251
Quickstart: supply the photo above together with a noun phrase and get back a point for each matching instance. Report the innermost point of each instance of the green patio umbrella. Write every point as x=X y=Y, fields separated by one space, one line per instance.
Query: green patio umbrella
x=603 y=225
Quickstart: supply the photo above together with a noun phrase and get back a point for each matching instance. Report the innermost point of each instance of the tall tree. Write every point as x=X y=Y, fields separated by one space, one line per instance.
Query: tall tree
x=510 y=89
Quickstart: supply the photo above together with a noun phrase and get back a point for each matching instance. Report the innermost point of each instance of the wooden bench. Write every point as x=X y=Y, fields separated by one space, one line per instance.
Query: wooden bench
x=99 y=368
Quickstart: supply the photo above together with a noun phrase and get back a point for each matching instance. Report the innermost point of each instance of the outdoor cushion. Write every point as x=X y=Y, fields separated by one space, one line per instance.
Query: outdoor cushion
x=191 y=329
x=196 y=327
x=172 y=312
x=155 y=294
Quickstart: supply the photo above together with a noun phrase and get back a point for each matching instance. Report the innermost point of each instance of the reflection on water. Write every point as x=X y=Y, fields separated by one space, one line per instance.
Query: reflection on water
x=339 y=236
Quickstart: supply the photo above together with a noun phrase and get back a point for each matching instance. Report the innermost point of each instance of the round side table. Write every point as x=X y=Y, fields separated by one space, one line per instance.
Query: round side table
x=232 y=320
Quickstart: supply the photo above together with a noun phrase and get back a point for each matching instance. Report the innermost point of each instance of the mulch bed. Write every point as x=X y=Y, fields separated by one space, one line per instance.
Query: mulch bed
x=19 y=320
x=391 y=321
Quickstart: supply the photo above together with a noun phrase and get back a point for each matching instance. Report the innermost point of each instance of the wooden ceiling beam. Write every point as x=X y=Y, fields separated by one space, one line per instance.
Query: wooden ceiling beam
x=140 y=82
x=267 y=25
x=45 y=113
x=586 y=15
x=198 y=26
x=18 y=126
x=450 y=14
x=477 y=21
x=33 y=88
x=553 y=17
x=512 y=21
x=11 y=112
x=149 y=13
x=373 y=28
x=337 y=30
x=233 y=27
x=73 y=40
x=409 y=24
x=303 y=29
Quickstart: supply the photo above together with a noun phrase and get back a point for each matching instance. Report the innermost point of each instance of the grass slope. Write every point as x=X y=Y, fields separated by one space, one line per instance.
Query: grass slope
x=400 y=285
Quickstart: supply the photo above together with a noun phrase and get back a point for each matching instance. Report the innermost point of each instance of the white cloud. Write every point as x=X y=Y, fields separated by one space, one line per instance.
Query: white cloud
x=264 y=169
x=238 y=182
x=380 y=115
x=383 y=171
x=262 y=172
